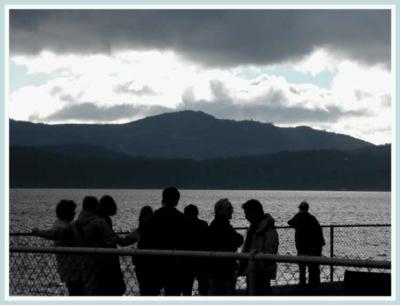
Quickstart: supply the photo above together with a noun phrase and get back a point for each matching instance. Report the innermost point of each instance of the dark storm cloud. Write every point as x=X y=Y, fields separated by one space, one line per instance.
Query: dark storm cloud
x=210 y=37
x=92 y=112
x=271 y=107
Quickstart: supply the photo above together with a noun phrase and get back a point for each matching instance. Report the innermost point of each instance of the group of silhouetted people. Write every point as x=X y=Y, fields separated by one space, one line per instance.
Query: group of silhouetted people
x=169 y=229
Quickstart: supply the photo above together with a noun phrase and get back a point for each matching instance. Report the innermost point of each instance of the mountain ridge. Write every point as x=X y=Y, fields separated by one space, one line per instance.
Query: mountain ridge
x=185 y=134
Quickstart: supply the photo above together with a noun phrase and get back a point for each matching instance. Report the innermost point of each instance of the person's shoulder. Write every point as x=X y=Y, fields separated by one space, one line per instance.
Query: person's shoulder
x=311 y=216
x=202 y=223
x=58 y=224
x=99 y=222
x=178 y=214
x=213 y=223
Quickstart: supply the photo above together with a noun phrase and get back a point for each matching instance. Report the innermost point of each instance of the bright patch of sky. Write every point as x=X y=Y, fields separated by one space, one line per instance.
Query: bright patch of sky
x=20 y=77
x=322 y=79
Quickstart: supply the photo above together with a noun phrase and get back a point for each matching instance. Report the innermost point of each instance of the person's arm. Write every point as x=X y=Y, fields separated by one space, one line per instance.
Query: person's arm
x=237 y=238
x=60 y=233
x=292 y=222
x=129 y=239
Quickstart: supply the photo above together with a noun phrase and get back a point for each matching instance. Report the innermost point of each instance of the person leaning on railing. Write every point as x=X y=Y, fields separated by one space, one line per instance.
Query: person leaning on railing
x=68 y=265
x=143 y=277
x=309 y=241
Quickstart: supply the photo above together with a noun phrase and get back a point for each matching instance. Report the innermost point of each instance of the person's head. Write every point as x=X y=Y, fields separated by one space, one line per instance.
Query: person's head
x=90 y=204
x=223 y=208
x=107 y=206
x=191 y=211
x=65 y=210
x=304 y=206
x=170 y=196
x=253 y=210
x=145 y=214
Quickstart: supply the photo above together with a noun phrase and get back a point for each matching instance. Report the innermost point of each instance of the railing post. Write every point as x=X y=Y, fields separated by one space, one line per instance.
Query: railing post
x=331 y=231
x=251 y=277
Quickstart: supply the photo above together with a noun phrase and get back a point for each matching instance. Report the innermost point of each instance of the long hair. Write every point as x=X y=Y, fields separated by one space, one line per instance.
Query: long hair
x=144 y=216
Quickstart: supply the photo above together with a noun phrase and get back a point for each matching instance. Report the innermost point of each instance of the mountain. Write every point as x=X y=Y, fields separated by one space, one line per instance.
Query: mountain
x=364 y=169
x=185 y=134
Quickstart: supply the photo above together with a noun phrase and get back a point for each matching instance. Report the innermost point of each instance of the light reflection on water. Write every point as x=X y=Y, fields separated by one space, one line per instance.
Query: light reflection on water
x=36 y=207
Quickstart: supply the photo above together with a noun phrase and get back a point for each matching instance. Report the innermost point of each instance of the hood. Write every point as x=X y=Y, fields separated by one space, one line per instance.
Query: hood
x=85 y=217
x=265 y=224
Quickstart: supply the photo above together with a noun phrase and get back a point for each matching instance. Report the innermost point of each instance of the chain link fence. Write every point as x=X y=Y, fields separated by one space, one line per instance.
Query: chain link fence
x=36 y=273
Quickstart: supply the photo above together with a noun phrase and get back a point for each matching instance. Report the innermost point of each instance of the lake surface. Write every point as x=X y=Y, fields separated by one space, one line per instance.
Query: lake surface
x=36 y=207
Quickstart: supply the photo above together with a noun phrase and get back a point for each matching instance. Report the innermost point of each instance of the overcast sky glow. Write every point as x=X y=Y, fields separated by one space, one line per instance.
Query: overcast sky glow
x=328 y=69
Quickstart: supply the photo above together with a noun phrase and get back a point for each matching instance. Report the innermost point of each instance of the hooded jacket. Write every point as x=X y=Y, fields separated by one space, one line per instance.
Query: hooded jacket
x=264 y=239
x=101 y=274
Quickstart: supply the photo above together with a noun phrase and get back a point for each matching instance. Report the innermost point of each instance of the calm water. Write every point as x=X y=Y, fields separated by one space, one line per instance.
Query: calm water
x=36 y=207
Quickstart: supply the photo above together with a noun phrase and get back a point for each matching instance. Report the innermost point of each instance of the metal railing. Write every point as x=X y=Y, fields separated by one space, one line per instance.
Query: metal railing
x=251 y=257
x=30 y=261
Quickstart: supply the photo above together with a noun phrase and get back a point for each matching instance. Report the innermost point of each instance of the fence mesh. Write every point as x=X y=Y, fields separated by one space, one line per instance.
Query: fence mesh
x=35 y=274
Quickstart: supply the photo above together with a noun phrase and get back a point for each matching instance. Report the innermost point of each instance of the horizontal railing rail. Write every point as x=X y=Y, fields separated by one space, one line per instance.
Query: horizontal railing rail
x=209 y=254
x=245 y=228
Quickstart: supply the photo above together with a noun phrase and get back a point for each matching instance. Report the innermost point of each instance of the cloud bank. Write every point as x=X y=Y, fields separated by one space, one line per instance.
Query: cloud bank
x=210 y=37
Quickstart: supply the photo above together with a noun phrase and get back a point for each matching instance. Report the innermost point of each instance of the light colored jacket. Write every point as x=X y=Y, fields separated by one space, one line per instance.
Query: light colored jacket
x=265 y=240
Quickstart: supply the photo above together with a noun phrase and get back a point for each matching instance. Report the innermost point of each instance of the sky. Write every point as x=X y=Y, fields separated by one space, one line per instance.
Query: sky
x=327 y=69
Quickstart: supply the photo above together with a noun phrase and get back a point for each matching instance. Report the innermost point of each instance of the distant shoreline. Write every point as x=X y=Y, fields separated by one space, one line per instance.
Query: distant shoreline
x=366 y=169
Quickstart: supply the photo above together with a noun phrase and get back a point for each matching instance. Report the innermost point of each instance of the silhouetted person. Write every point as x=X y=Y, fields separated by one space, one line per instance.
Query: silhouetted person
x=143 y=277
x=196 y=230
x=145 y=214
x=223 y=237
x=309 y=241
x=166 y=231
x=261 y=237
x=107 y=208
x=68 y=265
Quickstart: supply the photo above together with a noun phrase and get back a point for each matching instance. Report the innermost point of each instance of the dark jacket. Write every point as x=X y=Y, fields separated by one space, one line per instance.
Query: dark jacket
x=308 y=235
x=196 y=234
x=165 y=230
x=107 y=219
x=223 y=237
